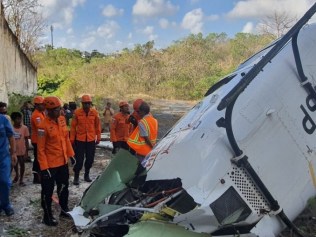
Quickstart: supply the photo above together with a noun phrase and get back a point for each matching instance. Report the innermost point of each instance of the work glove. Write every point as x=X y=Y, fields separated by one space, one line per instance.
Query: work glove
x=133 y=120
x=97 y=142
x=46 y=174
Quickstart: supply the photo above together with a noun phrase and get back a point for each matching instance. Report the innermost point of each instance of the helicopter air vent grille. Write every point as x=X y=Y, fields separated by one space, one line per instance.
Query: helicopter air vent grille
x=248 y=189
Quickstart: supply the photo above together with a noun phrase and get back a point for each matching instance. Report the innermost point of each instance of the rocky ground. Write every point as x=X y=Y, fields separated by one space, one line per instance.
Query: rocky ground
x=26 y=200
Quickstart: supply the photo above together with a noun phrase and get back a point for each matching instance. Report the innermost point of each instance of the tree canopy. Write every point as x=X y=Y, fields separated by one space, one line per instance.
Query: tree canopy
x=184 y=70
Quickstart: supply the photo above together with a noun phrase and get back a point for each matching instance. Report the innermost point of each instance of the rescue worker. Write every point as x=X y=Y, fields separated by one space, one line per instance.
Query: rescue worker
x=85 y=133
x=54 y=150
x=144 y=136
x=38 y=116
x=134 y=117
x=6 y=138
x=120 y=128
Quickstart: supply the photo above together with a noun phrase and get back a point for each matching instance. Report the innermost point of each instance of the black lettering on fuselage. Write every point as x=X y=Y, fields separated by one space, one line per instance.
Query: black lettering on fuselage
x=308 y=123
x=310 y=103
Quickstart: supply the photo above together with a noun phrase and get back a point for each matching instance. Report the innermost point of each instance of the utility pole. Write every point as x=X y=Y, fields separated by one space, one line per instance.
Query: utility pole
x=51 y=33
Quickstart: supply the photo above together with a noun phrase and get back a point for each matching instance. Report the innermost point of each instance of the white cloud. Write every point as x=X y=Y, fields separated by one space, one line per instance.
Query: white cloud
x=111 y=11
x=69 y=31
x=148 y=30
x=193 y=21
x=164 y=23
x=108 y=30
x=259 y=8
x=59 y=12
x=152 y=37
x=130 y=36
x=248 y=28
x=150 y=8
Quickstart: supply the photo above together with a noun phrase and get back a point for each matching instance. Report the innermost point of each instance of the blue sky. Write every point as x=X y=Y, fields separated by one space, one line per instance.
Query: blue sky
x=111 y=25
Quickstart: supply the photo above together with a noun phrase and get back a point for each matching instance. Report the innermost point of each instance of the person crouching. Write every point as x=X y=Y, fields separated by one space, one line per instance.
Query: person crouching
x=54 y=150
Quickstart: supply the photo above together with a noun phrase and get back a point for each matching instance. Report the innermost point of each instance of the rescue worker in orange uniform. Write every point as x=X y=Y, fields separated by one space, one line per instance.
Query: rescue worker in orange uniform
x=85 y=133
x=54 y=150
x=120 y=128
x=144 y=136
x=134 y=117
x=38 y=116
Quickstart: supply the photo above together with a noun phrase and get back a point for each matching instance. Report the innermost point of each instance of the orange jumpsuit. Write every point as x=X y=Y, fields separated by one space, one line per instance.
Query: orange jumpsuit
x=36 y=119
x=54 y=150
x=120 y=127
x=85 y=128
x=53 y=144
x=86 y=131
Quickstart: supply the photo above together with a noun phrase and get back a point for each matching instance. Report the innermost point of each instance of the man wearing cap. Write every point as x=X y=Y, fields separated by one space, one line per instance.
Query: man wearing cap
x=85 y=133
x=54 y=150
x=120 y=128
x=37 y=117
x=144 y=136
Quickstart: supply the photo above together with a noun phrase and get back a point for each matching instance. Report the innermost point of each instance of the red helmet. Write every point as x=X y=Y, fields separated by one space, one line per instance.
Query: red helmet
x=137 y=103
x=122 y=103
x=86 y=99
x=38 y=100
x=51 y=102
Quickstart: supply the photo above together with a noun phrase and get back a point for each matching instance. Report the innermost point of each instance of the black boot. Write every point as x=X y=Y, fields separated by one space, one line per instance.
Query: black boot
x=87 y=177
x=76 y=178
x=64 y=214
x=49 y=218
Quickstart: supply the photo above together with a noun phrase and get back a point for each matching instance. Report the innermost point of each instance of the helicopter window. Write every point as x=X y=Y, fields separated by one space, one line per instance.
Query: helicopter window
x=230 y=208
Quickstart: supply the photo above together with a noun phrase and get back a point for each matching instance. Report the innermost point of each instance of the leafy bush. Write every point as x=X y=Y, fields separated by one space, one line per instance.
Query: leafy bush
x=16 y=101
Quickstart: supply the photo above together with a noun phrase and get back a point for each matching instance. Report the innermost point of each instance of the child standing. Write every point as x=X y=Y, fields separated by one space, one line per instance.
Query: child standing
x=21 y=135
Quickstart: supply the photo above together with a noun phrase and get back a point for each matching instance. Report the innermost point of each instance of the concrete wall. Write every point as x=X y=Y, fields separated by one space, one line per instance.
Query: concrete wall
x=17 y=74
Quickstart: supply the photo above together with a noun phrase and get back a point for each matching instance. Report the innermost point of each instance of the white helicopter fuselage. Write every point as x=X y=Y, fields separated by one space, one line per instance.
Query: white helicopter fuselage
x=246 y=168
x=274 y=124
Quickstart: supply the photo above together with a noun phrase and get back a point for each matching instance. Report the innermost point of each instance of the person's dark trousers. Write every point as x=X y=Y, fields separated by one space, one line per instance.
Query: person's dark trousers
x=84 y=150
x=36 y=168
x=60 y=175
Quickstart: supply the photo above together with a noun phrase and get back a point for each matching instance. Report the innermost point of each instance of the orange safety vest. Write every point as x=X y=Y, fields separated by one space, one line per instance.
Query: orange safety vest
x=53 y=144
x=137 y=143
x=36 y=119
x=85 y=128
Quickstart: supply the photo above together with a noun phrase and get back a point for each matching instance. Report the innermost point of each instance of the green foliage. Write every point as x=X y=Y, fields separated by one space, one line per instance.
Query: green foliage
x=55 y=66
x=185 y=70
x=16 y=101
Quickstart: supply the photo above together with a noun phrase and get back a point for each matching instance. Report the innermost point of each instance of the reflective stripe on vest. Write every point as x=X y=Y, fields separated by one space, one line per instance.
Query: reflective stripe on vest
x=137 y=143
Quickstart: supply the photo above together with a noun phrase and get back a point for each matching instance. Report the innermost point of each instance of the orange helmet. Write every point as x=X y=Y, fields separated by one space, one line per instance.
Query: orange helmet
x=122 y=103
x=137 y=103
x=86 y=98
x=38 y=100
x=51 y=102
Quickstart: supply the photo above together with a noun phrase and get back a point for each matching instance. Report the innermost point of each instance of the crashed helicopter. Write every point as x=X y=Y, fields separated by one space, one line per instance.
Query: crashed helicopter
x=240 y=162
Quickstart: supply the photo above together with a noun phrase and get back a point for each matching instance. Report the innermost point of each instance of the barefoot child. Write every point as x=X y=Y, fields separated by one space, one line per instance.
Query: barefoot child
x=21 y=135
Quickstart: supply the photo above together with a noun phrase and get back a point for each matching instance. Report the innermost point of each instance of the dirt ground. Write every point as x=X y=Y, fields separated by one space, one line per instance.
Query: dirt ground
x=26 y=200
